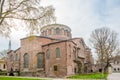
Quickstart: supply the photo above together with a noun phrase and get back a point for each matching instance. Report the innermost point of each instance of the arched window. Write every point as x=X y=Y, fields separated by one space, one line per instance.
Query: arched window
x=4 y=66
x=40 y=58
x=57 y=52
x=48 y=54
x=17 y=57
x=117 y=62
x=65 y=32
x=26 y=60
x=11 y=58
x=57 y=31
x=118 y=69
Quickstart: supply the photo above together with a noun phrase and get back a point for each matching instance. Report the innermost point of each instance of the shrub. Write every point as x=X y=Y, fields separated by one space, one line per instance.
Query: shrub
x=3 y=73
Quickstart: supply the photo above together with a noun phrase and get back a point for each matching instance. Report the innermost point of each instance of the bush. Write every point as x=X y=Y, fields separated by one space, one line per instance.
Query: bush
x=3 y=73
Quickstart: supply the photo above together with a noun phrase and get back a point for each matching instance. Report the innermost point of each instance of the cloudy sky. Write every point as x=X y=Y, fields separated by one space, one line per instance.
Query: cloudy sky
x=82 y=16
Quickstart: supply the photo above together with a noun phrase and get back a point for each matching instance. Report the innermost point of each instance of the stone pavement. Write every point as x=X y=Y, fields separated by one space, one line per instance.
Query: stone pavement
x=114 y=76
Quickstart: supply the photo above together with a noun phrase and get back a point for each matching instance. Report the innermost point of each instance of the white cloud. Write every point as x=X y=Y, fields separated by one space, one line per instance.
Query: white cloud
x=82 y=16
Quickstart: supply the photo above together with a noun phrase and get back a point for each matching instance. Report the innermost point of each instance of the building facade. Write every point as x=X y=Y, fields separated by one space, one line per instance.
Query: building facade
x=3 y=64
x=115 y=64
x=52 y=54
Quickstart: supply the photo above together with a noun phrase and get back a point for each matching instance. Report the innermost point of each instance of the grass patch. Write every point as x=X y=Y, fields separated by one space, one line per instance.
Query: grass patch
x=18 y=78
x=90 y=76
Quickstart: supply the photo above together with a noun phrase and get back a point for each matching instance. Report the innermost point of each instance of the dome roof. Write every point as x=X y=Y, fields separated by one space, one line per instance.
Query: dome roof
x=54 y=26
x=58 y=31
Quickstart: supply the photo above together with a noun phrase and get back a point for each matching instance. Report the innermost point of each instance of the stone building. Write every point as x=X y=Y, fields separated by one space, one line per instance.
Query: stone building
x=2 y=64
x=115 y=63
x=52 y=54
x=113 y=67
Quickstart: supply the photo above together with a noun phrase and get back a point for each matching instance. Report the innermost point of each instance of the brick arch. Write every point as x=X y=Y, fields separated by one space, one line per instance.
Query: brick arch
x=38 y=56
x=49 y=31
x=79 y=66
x=65 y=32
x=58 y=31
x=26 y=60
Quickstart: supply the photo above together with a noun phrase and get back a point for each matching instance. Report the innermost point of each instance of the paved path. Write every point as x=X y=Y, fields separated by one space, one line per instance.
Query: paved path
x=114 y=76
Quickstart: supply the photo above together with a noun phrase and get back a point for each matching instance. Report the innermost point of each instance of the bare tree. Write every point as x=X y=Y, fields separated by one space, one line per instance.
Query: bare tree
x=105 y=43
x=27 y=11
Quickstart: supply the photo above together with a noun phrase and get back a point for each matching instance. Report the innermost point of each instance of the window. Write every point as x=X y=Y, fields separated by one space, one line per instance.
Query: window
x=114 y=69
x=17 y=57
x=40 y=58
x=11 y=58
x=69 y=50
x=55 y=68
x=117 y=62
x=57 y=31
x=118 y=69
x=16 y=69
x=48 y=54
x=57 y=53
x=67 y=33
x=26 y=60
x=4 y=66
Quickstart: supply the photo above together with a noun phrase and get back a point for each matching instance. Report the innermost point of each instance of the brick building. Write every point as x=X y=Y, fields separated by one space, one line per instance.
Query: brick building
x=52 y=54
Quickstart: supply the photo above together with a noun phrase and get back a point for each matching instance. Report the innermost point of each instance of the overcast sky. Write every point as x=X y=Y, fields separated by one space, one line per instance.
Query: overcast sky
x=82 y=16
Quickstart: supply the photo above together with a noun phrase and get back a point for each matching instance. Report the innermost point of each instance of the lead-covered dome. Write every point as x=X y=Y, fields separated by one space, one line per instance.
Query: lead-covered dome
x=57 y=31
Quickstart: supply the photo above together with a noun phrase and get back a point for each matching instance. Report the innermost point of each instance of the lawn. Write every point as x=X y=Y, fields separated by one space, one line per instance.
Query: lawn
x=81 y=76
x=90 y=76
x=18 y=78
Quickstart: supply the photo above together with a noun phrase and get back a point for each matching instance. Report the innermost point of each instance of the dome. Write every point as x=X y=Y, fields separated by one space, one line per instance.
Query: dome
x=57 y=31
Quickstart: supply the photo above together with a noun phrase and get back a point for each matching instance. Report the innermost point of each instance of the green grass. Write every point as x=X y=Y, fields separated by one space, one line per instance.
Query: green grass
x=18 y=78
x=90 y=76
x=81 y=76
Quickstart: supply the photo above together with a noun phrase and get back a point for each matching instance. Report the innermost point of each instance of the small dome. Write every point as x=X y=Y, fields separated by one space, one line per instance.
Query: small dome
x=57 y=31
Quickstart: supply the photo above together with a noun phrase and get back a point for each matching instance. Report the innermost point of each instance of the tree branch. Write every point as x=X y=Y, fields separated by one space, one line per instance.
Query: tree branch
x=1 y=7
